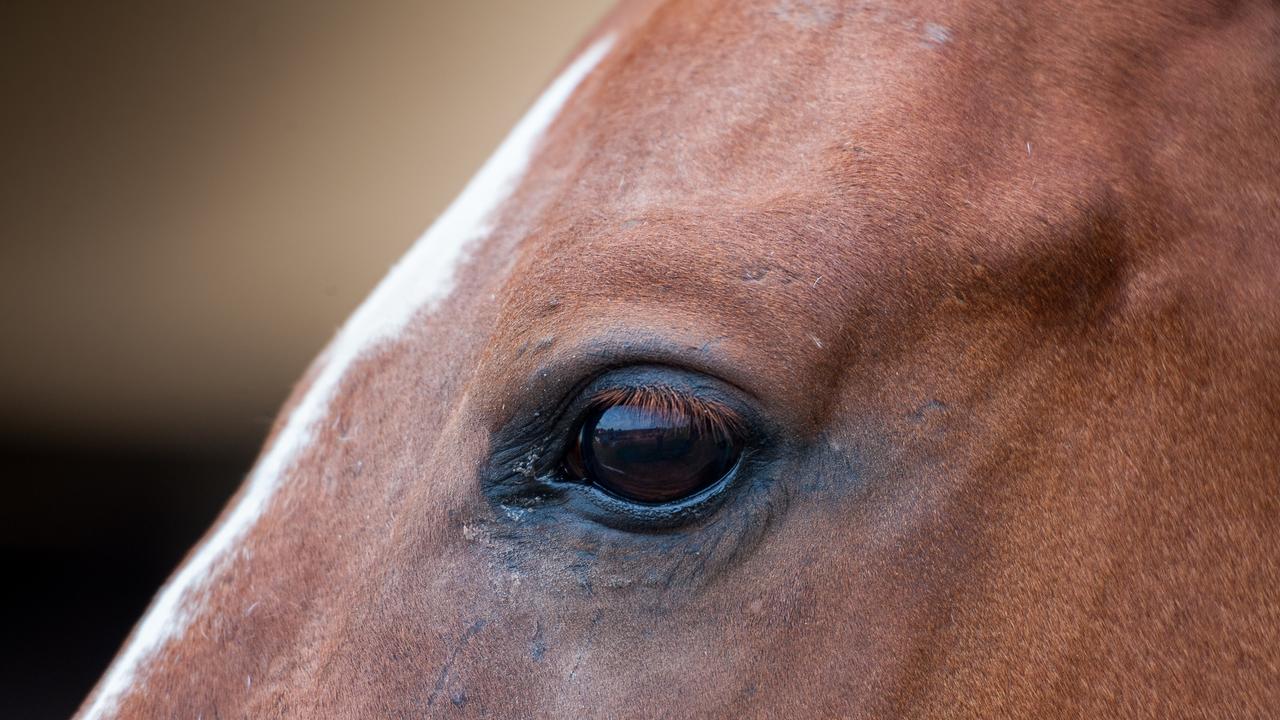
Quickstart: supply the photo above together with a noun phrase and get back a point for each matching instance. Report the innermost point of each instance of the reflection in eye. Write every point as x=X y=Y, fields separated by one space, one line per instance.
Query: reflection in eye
x=654 y=444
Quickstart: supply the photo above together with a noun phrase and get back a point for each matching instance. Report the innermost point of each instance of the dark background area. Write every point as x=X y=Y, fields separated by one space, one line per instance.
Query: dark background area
x=193 y=197
x=89 y=534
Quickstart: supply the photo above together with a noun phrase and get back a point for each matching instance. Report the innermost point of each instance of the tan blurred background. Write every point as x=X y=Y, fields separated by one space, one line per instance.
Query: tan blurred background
x=194 y=196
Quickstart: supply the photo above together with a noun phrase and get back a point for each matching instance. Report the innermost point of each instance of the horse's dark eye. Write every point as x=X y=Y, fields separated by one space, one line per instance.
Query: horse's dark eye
x=654 y=449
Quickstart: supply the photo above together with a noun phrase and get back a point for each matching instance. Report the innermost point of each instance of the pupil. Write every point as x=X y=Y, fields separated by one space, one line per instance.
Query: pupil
x=653 y=456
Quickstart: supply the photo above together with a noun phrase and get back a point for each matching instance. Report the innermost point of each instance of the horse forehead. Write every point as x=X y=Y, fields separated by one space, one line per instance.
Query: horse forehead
x=820 y=125
x=830 y=125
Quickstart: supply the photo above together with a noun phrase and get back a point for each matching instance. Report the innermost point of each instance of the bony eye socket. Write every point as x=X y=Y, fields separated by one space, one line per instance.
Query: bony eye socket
x=654 y=445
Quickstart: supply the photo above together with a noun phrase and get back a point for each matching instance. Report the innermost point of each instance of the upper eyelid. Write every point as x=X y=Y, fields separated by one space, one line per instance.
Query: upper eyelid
x=559 y=379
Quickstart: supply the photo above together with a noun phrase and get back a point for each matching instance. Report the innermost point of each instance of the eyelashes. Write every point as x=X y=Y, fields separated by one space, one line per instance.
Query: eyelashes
x=677 y=407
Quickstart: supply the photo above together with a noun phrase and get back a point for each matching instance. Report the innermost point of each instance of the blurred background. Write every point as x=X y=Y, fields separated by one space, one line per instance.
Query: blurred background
x=194 y=196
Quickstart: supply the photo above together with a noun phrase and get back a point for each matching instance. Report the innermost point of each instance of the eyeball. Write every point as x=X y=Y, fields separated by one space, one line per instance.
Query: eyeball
x=654 y=445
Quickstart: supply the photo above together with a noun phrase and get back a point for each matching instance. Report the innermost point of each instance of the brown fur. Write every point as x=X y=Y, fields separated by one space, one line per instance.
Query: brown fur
x=1003 y=276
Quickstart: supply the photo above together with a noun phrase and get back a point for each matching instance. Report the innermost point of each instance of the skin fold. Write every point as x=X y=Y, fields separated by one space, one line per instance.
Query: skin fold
x=996 y=290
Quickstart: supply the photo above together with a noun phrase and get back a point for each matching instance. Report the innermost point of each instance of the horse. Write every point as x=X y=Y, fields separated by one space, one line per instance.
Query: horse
x=794 y=358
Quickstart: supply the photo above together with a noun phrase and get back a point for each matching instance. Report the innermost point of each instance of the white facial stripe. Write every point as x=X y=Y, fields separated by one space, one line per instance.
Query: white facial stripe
x=418 y=283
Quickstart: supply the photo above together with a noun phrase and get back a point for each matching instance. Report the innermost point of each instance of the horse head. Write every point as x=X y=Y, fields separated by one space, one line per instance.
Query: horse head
x=794 y=358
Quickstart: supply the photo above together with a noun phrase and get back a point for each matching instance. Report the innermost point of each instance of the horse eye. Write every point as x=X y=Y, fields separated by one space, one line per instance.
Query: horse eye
x=650 y=453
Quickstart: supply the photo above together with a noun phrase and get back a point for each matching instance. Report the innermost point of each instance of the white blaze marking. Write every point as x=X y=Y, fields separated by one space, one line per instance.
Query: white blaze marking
x=420 y=281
